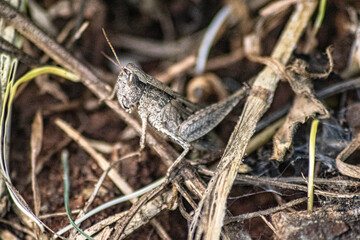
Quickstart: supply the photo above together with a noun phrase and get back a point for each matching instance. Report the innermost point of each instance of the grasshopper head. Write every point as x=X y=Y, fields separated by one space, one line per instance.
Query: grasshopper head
x=130 y=89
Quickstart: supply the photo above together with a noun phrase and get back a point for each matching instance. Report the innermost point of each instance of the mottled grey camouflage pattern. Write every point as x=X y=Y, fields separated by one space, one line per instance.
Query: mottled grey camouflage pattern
x=170 y=113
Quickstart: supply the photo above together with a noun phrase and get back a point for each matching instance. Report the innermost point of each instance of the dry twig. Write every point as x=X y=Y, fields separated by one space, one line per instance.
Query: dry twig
x=91 y=81
x=102 y=162
x=209 y=215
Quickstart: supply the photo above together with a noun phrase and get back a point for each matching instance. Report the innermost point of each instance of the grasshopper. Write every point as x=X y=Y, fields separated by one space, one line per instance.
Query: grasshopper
x=168 y=112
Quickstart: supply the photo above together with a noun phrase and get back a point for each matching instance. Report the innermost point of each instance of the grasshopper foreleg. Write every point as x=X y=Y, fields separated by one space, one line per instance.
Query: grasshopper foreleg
x=143 y=132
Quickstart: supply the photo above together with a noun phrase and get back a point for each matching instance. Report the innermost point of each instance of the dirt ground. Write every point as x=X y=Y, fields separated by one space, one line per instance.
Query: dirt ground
x=156 y=35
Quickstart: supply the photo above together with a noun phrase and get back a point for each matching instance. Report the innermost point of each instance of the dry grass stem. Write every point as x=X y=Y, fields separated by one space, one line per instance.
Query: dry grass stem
x=176 y=68
x=87 y=77
x=36 y=143
x=209 y=215
x=59 y=214
x=163 y=37
x=266 y=212
x=270 y=225
x=101 y=161
x=345 y=168
x=18 y=227
x=97 y=188
x=155 y=48
x=284 y=184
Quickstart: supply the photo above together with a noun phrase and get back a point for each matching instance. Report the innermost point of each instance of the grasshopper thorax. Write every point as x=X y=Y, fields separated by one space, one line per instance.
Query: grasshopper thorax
x=129 y=89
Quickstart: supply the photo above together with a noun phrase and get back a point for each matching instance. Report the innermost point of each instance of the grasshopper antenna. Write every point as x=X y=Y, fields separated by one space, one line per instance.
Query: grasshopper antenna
x=112 y=49
x=118 y=64
x=109 y=58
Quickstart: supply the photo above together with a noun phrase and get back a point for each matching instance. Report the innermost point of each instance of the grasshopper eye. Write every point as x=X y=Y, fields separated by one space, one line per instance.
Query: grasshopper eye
x=126 y=71
x=125 y=75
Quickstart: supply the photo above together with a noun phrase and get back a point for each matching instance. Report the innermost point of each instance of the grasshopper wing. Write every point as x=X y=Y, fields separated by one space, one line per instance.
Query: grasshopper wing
x=206 y=119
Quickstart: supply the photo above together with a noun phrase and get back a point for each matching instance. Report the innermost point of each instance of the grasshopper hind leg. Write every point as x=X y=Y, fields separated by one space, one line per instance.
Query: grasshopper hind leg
x=186 y=148
x=177 y=162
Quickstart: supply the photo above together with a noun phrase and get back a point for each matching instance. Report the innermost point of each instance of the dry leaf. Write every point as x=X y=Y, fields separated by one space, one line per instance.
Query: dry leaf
x=201 y=88
x=344 y=168
x=36 y=142
x=306 y=106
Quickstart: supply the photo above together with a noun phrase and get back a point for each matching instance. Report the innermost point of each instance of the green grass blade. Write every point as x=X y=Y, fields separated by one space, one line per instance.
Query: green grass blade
x=312 y=141
x=65 y=164
x=8 y=98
